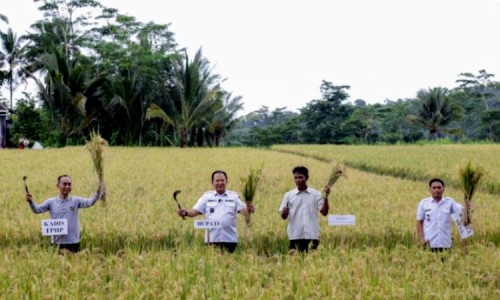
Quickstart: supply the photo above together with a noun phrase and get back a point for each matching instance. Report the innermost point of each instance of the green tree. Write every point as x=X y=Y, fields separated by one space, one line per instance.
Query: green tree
x=10 y=52
x=435 y=110
x=65 y=90
x=323 y=118
x=192 y=97
x=473 y=91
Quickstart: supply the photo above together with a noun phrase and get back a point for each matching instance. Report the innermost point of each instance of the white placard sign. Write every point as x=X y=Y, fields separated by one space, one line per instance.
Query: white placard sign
x=341 y=220
x=54 y=227
x=465 y=231
x=206 y=224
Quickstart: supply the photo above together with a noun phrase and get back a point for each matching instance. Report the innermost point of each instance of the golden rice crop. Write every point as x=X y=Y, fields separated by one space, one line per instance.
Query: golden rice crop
x=249 y=187
x=138 y=247
x=95 y=146
x=414 y=162
x=338 y=171
x=469 y=176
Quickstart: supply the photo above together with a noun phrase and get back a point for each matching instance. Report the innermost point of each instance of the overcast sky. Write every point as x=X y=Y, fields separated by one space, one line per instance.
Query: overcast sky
x=277 y=52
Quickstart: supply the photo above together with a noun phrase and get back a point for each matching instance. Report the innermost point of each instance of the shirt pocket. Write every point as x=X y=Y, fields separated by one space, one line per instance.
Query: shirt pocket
x=428 y=215
x=230 y=206
x=444 y=216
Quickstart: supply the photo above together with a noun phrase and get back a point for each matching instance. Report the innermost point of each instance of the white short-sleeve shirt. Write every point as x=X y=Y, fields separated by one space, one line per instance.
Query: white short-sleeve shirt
x=222 y=208
x=303 y=217
x=436 y=217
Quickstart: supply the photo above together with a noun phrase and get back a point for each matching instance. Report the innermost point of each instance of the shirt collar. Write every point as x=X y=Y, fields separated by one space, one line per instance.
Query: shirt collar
x=440 y=201
x=304 y=191
x=220 y=195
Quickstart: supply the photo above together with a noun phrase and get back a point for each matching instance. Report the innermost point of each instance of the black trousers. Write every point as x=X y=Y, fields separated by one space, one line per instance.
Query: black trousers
x=303 y=245
x=70 y=247
x=229 y=247
x=439 y=249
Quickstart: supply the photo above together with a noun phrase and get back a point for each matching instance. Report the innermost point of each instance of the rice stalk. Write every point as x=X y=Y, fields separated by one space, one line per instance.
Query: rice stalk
x=338 y=171
x=469 y=176
x=95 y=146
x=249 y=187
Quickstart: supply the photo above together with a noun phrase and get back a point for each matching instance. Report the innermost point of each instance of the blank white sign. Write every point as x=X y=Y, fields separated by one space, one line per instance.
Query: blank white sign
x=341 y=220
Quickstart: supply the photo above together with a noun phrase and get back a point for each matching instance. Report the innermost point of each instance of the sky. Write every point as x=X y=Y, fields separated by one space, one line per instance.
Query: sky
x=276 y=53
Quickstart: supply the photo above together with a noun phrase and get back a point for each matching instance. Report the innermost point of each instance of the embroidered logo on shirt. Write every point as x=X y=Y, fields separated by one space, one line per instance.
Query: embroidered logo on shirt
x=212 y=210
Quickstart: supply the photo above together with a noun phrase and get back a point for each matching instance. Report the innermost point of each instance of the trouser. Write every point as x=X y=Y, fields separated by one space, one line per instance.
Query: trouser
x=303 y=245
x=70 y=247
x=229 y=247
x=439 y=249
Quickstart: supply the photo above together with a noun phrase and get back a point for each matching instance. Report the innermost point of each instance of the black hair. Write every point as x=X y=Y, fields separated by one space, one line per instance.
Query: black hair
x=218 y=172
x=301 y=170
x=59 y=178
x=436 y=180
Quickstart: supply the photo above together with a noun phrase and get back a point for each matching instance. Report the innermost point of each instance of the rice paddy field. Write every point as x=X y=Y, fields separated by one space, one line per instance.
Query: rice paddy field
x=417 y=162
x=136 y=247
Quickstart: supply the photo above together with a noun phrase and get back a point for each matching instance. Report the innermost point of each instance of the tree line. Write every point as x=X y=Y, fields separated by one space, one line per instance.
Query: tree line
x=468 y=112
x=97 y=69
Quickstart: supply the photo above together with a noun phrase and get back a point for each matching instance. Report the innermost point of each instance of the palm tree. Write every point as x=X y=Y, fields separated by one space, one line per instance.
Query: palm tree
x=435 y=110
x=10 y=46
x=65 y=89
x=224 y=119
x=192 y=96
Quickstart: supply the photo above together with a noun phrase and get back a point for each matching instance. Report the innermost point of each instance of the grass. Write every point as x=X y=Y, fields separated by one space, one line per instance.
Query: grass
x=137 y=247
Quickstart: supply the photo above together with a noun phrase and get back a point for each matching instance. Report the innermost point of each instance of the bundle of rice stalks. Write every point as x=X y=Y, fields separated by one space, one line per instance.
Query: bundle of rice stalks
x=469 y=180
x=337 y=172
x=96 y=147
x=249 y=187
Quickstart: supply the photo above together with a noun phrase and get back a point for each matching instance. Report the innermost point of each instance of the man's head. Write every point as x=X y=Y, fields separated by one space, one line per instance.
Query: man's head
x=436 y=188
x=300 y=176
x=64 y=185
x=219 y=181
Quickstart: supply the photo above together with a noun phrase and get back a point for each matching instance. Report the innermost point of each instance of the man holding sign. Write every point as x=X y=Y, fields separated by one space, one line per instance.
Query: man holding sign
x=433 y=217
x=220 y=208
x=64 y=208
x=301 y=206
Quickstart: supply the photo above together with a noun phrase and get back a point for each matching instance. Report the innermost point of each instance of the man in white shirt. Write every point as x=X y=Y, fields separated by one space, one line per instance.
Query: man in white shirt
x=223 y=206
x=300 y=206
x=433 y=217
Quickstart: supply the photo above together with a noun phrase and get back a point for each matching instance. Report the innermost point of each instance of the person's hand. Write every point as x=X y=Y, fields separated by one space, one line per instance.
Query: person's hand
x=250 y=208
x=285 y=212
x=424 y=243
x=29 y=197
x=182 y=212
x=326 y=190
x=468 y=205
x=102 y=188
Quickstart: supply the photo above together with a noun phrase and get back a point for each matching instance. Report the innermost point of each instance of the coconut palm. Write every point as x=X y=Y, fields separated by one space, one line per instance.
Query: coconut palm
x=224 y=118
x=191 y=98
x=64 y=91
x=10 y=47
x=435 y=110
